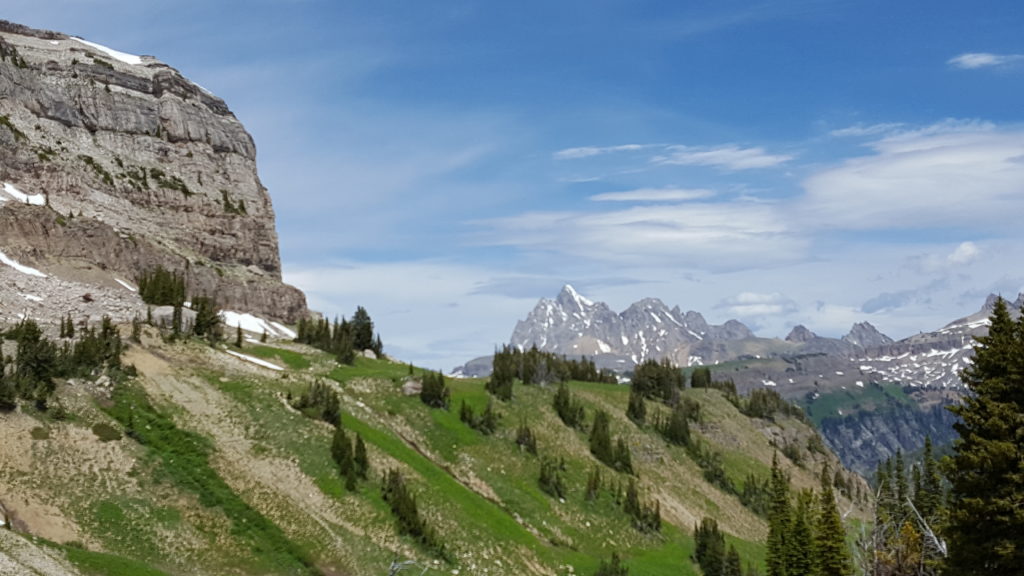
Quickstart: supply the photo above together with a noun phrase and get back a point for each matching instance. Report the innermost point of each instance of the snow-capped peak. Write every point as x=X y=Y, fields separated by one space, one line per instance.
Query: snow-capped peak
x=580 y=301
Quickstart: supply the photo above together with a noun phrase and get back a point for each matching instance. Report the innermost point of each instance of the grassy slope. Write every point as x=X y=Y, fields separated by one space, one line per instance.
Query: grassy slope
x=262 y=496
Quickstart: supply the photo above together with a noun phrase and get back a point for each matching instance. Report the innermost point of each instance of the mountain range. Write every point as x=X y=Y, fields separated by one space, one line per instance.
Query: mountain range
x=837 y=380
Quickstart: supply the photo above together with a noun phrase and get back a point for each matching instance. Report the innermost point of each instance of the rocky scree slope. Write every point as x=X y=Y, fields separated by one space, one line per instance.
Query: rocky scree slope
x=155 y=171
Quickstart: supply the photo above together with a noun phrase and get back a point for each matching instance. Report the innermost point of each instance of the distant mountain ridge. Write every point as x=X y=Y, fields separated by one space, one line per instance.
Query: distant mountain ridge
x=870 y=395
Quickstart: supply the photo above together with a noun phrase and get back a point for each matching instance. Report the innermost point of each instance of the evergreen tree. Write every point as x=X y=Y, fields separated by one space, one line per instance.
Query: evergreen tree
x=569 y=410
x=778 y=521
x=701 y=377
x=709 y=547
x=434 y=392
x=341 y=451
x=622 y=457
x=928 y=499
x=525 y=438
x=831 y=556
x=8 y=395
x=601 y=439
x=207 y=323
x=986 y=471
x=612 y=567
x=800 y=546
x=733 y=565
x=360 y=460
x=593 y=484
x=637 y=409
x=362 y=330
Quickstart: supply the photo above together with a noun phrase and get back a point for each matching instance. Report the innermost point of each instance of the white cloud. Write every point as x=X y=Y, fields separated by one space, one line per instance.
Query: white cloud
x=951 y=174
x=728 y=157
x=716 y=236
x=975 y=60
x=964 y=254
x=654 y=195
x=753 y=304
x=861 y=130
x=588 y=151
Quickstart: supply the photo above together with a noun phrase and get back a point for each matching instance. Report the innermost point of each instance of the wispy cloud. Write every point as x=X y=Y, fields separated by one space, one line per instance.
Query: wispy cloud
x=954 y=174
x=861 y=130
x=588 y=151
x=720 y=236
x=654 y=195
x=728 y=157
x=752 y=304
x=975 y=60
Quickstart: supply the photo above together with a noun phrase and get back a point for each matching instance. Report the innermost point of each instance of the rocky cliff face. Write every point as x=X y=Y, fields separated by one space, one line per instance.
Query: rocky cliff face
x=154 y=169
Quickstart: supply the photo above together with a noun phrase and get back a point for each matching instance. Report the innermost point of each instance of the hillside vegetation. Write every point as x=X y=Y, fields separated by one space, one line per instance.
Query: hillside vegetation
x=202 y=464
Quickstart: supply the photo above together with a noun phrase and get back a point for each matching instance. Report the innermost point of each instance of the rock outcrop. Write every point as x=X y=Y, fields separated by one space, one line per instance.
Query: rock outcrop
x=124 y=165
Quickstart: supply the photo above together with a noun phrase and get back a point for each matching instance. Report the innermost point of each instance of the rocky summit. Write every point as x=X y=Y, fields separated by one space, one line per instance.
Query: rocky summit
x=112 y=164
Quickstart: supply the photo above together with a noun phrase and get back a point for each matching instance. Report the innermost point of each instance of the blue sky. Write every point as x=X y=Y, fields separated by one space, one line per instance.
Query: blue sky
x=446 y=164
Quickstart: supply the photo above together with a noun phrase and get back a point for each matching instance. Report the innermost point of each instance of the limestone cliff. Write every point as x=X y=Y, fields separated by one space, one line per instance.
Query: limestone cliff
x=153 y=168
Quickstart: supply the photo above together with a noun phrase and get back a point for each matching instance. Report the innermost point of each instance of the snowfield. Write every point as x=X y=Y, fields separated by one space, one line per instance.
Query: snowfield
x=121 y=56
x=256 y=361
x=4 y=259
x=256 y=325
x=34 y=199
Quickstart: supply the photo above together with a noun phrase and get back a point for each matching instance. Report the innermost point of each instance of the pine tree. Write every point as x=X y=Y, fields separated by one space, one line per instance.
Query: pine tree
x=362 y=330
x=601 y=439
x=800 y=546
x=929 y=499
x=733 y=565
x=341 y=451
x=778 y=521
x=622 y=457
x=360 y=461
x=612 y=567
x=986 y=471
x=831 y=556
x=709 y=547
x=637 y=409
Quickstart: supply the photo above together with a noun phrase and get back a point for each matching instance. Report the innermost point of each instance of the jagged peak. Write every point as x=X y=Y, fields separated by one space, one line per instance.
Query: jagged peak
x=569 y=296
x=800 y=333
x=865 y=334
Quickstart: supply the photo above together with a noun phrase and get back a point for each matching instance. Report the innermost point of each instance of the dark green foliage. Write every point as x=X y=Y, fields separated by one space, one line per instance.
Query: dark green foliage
x=765 y=403
x=319 y=402
x=658 y=380
x=8 y=52
x=170 y=182
x=778 y=521
x=237 y=209
x=701 y=377
x=486 y=423
x=646 y=517
x=569 y=409
x=525 y=438
x=5 y=121
x=831 y=555
x=612 y=567
x=8 y=394
x=183 y=458
x=162 y=287
x=238 y=336
x=362 y=332
x=756 y=495
x=601 y=439
x=207 y=324
x=733 y=564
x=407 y=516
x=503 y=375
x=622 y=457
x=434 y=392
x=360 y=460
x=535 y=367
x=593 y=484
x=710 y=462
x=986 y=470
x=709 y=547
x=800 y=541
x=676 y=428
x=551 y=480
x=338 y=339
x=98 y=169
x=343 y=454
x=636 y=410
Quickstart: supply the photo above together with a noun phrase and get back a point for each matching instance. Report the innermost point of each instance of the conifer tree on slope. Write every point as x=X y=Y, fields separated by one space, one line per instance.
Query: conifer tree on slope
x=986 y=472
x=831 y=556
x=778 y=520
